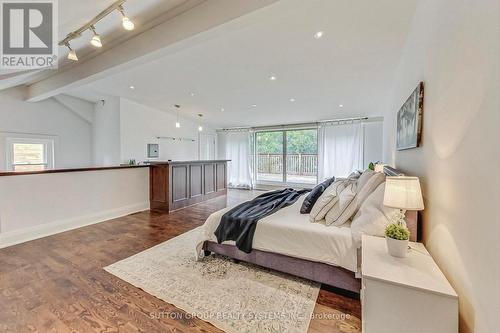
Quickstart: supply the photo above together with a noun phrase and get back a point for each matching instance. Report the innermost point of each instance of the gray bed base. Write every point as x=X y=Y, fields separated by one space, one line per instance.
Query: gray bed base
x=336 y=277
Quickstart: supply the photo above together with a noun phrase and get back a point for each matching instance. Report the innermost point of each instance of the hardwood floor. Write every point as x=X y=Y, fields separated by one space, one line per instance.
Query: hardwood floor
x=57 y=284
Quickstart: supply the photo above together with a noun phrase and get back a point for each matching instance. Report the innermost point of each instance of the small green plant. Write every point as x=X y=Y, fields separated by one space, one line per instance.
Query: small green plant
x=397 y=231
x=371 y=166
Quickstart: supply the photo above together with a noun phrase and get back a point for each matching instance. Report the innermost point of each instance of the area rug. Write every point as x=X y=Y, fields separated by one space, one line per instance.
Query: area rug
x=235 y=297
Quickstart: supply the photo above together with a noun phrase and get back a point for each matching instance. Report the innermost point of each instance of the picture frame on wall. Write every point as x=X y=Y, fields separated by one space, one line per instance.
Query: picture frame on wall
x=409 y=120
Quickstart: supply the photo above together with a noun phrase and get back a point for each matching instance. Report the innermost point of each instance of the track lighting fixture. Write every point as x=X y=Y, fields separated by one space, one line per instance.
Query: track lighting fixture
x=96 y=39
x=126 y=22
x=72 y=53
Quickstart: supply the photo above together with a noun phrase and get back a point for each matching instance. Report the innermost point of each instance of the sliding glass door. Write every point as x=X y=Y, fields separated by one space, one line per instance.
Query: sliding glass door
x=301 y=156
x=288 y=156
x=269 y=151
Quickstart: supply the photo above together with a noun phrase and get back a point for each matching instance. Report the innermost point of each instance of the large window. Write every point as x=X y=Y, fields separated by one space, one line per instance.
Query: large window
x=27 y=154
x=289 y=156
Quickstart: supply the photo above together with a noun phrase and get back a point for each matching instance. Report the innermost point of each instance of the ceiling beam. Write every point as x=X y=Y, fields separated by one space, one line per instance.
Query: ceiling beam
x=162 y=39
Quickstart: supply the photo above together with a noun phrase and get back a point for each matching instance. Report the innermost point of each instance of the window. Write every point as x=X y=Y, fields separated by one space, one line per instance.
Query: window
x=30 y=154
x=289 y=156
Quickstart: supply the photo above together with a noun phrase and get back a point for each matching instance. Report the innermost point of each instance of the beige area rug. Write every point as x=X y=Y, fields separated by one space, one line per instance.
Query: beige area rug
x=233 y=297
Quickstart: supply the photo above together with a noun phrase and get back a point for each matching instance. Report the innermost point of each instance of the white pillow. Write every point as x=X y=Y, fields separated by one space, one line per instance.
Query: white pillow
x=372 y=217
x=351 y=198
x=326 y=201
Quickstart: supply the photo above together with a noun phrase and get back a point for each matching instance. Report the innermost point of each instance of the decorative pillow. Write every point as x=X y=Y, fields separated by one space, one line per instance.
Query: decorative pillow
x=314 y=195
x=354 y=175
x=351 y=200
x=365 y=176
x=372 y=217
x=327 y=200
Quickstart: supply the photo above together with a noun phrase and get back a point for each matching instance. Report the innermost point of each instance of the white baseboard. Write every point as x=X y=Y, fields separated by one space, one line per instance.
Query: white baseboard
x=51 y=228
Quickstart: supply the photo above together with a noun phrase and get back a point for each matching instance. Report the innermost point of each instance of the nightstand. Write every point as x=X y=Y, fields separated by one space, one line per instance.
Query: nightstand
x=404 y=294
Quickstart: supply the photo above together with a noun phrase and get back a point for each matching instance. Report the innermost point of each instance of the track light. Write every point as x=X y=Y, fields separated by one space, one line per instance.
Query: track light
x=126 y=22
x=72 y=53
x=96 y=39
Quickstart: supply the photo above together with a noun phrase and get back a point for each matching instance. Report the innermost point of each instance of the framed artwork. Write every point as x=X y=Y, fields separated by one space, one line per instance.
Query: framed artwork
x=153 y=150
x=409 y=120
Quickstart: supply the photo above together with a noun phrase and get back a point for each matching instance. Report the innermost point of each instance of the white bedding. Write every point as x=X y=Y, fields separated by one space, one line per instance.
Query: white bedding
x=290 y=233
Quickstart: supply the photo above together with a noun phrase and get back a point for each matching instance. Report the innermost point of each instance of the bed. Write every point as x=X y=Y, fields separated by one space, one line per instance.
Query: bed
x=287 y=242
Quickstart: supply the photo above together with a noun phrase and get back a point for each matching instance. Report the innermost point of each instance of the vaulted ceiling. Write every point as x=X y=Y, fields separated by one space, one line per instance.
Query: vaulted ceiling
x=224 y=72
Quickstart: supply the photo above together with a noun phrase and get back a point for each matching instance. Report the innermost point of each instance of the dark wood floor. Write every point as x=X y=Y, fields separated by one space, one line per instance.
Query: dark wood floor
x=57 y=284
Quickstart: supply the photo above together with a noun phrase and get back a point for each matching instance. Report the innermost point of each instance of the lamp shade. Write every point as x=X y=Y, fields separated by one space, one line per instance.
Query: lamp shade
x=403 y=193
x=379 y=167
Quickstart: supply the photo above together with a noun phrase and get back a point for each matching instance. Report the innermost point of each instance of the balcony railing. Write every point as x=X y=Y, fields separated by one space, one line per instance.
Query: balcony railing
x=296 y=164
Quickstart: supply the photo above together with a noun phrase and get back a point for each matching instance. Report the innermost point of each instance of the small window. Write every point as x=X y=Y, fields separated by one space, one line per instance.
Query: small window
x=30 y=154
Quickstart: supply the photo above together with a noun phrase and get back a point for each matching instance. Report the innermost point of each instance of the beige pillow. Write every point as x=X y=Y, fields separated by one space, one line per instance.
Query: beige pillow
x=326 y=201
x=372 y=217
x=365 y=176
x=350 y=201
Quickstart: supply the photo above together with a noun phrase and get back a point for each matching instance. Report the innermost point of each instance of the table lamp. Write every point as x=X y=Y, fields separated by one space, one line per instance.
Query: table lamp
x=404 y=193
x=379 y=167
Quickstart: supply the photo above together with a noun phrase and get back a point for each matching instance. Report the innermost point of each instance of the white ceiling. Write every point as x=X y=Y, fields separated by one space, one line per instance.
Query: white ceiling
x=352 y=65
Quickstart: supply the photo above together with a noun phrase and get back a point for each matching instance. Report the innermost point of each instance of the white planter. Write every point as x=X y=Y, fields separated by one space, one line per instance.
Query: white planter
x=397 y=248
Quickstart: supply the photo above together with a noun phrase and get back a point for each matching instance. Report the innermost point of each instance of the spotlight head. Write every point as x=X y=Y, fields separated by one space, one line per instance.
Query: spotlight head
x=127 y=24
x=96 y=41
x=72 y=55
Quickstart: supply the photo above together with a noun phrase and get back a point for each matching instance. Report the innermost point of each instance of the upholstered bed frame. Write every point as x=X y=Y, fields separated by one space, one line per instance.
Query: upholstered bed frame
x=328 y=275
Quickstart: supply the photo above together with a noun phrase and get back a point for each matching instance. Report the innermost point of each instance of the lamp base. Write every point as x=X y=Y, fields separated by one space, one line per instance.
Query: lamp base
x=399 y=218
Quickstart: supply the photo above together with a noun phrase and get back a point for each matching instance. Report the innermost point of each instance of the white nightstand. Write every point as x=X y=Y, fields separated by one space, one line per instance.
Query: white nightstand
x=404 y=294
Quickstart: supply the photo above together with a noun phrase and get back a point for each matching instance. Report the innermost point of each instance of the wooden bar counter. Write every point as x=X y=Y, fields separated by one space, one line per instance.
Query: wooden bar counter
x=177 y=184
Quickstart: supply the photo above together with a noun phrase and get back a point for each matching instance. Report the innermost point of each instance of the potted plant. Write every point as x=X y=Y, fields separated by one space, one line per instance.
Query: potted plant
x=397 y=236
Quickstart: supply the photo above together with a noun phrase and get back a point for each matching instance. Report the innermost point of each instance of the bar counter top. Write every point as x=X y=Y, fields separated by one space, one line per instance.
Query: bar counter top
x=22 y=173
x=99 y=168
x=185 y=162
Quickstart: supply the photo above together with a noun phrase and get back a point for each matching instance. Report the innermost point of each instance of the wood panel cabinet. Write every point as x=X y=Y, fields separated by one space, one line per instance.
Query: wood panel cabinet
x=174 y=185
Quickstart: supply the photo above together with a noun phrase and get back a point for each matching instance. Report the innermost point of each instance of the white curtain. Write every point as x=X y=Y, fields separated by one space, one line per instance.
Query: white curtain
x=340 y=149
x=236 y=146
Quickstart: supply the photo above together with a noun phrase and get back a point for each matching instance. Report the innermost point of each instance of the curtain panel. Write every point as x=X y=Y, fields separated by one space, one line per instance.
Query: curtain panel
x=237 y=147
x=340 y=149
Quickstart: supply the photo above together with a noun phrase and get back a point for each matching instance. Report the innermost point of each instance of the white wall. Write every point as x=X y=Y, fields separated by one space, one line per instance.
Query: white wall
x=454 y=47
x=33 y=206
x=141 y=125
x=72 y=133
x=106 y=132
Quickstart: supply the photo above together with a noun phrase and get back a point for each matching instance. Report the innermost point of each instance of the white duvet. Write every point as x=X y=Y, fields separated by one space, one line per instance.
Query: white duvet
x=290 y=233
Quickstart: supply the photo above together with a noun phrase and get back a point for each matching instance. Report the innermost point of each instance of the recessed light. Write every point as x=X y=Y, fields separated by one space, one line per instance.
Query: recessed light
x=318 y=35
x=254 y=105
x=191 y=94
x=272 y=78
x=222 y=109
x=341 y=105
x=292 y=99
x=132 y=87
